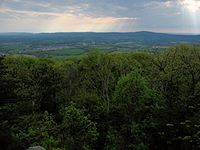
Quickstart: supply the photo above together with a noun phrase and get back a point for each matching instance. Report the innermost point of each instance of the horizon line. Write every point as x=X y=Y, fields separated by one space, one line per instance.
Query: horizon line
x=140 y=31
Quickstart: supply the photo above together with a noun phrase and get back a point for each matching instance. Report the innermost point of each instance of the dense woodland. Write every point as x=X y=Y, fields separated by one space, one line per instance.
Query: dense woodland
x=102 y=101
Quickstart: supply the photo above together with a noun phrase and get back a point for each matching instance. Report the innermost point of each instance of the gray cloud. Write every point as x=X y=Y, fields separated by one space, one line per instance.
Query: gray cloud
x=161 y=15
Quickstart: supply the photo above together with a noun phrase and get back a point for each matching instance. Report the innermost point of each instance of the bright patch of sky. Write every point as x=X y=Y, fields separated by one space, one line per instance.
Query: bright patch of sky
x=171 y=16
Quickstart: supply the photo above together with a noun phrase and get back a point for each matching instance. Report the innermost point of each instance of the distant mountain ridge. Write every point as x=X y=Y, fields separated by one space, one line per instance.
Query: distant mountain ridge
x=136 y=32
x=80 y=42
x=110 y=35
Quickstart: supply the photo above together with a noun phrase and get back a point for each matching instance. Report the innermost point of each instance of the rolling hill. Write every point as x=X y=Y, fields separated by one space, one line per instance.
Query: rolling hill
x=62 y=44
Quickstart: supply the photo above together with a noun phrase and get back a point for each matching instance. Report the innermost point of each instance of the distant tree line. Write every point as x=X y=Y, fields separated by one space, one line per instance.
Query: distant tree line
x=102 y=101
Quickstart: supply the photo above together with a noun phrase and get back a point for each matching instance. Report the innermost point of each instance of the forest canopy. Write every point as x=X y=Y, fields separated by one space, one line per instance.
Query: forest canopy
x=104 y=101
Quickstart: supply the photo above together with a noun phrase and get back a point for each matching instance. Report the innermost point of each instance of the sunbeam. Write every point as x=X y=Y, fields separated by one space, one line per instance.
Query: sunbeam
x=191 y=8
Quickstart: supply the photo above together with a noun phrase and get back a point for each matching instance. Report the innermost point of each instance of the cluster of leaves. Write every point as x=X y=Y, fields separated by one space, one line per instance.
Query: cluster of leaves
x=139 y=101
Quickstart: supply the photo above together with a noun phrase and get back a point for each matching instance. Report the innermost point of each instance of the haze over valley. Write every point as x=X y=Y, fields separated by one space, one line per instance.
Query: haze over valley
x=73 y=44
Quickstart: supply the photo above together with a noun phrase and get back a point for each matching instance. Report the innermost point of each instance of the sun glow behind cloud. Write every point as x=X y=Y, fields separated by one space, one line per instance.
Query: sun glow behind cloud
x=61 y=22
x=100 y=16
x=192 y=7
x=71 y=22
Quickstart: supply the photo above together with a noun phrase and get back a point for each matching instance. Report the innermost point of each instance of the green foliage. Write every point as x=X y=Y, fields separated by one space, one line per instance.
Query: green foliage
x=177 y=78
x=112 y=140
x=69 y=81
x=33 y=80
x=104 y=101
x=37 y=130
x=133 y=96
x=136 y=103
x=77 y=130
x=98 y=76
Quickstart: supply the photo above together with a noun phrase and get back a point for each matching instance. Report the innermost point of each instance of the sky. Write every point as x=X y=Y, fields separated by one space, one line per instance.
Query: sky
x=168 y=16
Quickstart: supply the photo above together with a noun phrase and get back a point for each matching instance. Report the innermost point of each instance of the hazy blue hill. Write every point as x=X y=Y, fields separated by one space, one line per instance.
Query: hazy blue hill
x=113 y=36
x=75 y=43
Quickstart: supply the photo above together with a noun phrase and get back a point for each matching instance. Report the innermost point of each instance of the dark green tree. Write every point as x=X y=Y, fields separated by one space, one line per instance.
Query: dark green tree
x=77 y=130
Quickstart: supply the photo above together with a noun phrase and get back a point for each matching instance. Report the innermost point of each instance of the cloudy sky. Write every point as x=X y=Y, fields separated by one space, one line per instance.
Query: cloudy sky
x=171 y=16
